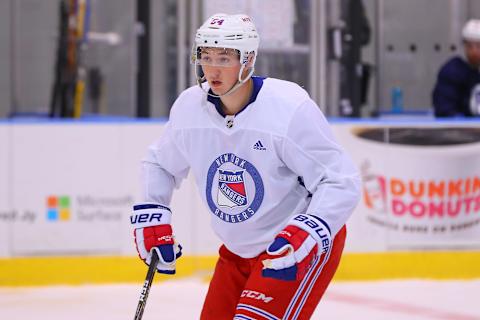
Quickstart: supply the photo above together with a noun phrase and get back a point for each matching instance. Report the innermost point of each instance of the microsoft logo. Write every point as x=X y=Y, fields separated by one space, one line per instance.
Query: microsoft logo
x=58 y=208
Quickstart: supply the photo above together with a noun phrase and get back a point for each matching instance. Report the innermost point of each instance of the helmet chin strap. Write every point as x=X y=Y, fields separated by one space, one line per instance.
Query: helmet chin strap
x=237 y=85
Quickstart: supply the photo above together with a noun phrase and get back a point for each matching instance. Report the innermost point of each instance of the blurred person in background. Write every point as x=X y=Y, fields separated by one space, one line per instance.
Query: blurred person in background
x=457 y=90
x=354 y=72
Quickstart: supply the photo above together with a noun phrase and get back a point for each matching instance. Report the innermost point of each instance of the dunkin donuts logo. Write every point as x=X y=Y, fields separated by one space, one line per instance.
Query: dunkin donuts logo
x=421 y=184
x=423 y=199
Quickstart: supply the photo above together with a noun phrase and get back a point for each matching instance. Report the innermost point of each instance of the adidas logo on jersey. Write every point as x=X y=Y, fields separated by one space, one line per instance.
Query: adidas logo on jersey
x=259 y=146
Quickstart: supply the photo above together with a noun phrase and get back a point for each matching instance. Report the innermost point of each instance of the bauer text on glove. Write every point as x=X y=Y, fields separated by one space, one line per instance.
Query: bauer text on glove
x=297 y=248
x=153 y=231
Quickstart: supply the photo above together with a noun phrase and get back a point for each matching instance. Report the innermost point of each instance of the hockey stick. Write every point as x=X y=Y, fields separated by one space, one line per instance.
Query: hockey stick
x=146 y=286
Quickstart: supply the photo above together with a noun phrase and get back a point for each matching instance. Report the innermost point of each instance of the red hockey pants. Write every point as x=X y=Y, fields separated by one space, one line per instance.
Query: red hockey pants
x=238 y=290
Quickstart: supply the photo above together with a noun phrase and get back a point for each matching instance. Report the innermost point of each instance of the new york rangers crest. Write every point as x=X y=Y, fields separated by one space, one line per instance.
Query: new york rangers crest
x=231 y=189
x=234 y=189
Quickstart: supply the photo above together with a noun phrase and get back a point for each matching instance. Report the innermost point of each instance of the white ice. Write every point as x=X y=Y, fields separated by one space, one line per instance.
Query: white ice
x=182 y=300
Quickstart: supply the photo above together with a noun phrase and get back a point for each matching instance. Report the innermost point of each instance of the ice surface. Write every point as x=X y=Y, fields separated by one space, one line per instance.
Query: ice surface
x=182 y=300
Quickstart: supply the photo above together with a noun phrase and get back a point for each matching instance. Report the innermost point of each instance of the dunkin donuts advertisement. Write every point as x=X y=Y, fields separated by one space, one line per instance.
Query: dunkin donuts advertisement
x=421 y=185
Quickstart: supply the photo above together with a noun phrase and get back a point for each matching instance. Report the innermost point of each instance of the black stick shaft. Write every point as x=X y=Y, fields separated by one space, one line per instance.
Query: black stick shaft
x=146 y=286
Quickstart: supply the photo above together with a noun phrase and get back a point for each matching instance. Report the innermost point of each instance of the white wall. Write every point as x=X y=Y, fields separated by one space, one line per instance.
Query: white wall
x=95 y=166
x=5 y=204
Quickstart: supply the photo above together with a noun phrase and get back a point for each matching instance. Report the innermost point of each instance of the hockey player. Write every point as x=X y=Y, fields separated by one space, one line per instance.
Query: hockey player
x=278 y=186
x=457 y=91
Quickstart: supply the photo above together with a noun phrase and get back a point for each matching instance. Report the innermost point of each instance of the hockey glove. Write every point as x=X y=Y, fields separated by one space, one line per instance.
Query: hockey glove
x=153 y=231
x=296 y=247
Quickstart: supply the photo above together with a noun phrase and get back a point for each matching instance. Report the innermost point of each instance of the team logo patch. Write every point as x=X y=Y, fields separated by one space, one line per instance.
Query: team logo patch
x=234 y=190
x=231 y=189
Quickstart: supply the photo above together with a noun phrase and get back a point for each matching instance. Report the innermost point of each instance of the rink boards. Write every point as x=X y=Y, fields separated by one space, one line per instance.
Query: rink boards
x=67 y=188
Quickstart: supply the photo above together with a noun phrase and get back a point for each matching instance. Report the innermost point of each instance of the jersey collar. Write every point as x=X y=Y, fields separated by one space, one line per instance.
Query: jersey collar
x=257 y=85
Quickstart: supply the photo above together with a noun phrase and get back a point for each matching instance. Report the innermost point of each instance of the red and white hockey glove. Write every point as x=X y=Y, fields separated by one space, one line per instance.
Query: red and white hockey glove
x=153 y=231
x=295 y=248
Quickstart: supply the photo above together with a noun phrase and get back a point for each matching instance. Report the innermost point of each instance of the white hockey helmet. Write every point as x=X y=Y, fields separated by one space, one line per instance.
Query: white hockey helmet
x=471 y=30
x=230 y=32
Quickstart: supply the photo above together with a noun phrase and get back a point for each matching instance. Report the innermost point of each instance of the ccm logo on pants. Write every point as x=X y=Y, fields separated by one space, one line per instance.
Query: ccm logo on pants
x=256 y=295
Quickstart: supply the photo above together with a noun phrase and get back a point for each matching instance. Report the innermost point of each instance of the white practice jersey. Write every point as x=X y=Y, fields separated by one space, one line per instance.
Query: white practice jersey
x=247 y=167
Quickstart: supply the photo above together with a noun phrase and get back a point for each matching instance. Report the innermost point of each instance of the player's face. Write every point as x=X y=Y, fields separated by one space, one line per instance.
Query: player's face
x=472 y=52
x=221 y=67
